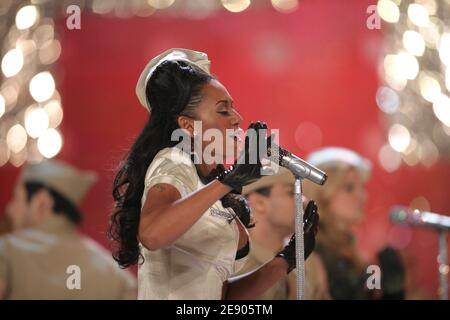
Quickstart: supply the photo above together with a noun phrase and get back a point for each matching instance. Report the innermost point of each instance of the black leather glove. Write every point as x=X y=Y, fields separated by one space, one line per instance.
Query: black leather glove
x=242 y=172
x=392 y=274
x=232 y=200
x=310 y=228
x=241 y=208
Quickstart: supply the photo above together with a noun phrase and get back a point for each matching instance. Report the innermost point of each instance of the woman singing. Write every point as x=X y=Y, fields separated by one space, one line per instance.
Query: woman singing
x=342 y=201
x=183 y=220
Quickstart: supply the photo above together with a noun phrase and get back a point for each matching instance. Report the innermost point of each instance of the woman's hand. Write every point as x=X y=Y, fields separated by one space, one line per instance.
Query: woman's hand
x=251 y=285
x=392 y=274
x=310 y=228
x=242 y=172
x=241 y=208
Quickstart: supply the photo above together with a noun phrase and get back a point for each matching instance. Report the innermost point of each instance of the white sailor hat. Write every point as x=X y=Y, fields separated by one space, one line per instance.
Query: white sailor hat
x=340 y=157
x=192 y=57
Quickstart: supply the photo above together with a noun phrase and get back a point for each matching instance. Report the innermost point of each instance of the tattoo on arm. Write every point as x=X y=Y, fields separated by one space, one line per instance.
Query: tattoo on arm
x=160 y=188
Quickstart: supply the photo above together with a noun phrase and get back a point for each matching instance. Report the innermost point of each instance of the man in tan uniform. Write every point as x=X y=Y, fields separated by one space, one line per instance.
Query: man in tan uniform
x=271 y=200
x=45 y=257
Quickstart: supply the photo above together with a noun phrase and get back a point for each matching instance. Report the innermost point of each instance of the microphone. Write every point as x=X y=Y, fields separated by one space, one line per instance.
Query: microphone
x=400 y=214
x=299 y=167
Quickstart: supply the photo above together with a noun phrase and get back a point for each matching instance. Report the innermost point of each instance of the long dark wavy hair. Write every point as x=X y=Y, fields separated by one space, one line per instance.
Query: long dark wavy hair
x=173 y=90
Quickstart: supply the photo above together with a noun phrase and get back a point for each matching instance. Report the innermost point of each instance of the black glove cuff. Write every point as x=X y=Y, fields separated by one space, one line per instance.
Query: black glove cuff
x=224 y=177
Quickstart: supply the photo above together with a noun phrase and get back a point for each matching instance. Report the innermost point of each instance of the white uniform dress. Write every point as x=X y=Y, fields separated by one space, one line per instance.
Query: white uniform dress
x=195 y=265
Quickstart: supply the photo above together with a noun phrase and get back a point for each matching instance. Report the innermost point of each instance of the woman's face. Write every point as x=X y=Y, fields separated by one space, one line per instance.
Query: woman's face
x=219 y=120
x=347 y=205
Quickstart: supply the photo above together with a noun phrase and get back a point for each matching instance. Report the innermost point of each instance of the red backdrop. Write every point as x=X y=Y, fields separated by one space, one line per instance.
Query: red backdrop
x=312 y=73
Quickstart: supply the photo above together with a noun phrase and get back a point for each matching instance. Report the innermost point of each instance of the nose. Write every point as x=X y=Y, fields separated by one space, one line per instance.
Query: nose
x=362 y=195
x=236 y=119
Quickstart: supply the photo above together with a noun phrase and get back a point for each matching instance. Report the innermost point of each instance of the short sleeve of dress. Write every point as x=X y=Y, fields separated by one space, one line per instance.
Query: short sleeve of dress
x=174 y=167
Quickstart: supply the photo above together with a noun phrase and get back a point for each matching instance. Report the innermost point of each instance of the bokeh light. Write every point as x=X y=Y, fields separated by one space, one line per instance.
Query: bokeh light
x=387 y=100
x=235 y=5
x=16 y=138
x=388 y=11
x=399 y=137
x=42 y=86
x=429 y=87
x=285 y=6
x=160 y=4
x=418 y=15
x=50 y=143
x=389 y=159
x=413 y=42
x=26 y=17
x=12 y=62
x=36 y=121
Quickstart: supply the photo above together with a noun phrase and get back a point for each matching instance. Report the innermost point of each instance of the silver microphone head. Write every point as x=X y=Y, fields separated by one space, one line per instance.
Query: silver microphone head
x=297 y=166
x=406 y=215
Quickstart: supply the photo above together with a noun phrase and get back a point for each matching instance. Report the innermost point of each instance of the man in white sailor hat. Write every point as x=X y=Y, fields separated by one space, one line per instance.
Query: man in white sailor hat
x=271 y=200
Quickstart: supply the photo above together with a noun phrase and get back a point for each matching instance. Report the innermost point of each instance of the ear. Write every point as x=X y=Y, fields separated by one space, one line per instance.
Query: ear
x=41 y=205
x=186 y=124
x=258 y=203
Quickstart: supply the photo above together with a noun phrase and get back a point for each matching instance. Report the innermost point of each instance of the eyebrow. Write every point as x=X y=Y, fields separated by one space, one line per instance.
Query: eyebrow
x=225 y=100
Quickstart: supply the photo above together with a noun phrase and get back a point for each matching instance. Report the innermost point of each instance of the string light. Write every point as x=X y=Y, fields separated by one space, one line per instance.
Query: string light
x=444 y=49
x=161 y=4
x=36 y=121
x=12 y=62
x=50 y=143
x=430 y=89
x=415 y=97
x=413 y=42
x=2 y=106
x=418 y=15
x=16 y=138
x=399 y=137
x=285 y=6
x=29 y=44
x=388 y=11
x=42 y=86
x=26 y=17
x=235 y=5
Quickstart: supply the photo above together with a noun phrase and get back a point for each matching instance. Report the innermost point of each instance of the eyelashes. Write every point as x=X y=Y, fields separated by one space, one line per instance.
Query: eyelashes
x=228 y=111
